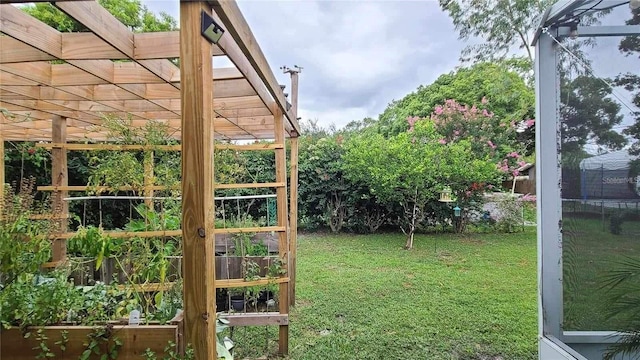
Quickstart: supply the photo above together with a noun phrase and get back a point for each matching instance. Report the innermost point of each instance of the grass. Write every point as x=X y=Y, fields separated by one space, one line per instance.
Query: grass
x=591 y=251
x=364 y=297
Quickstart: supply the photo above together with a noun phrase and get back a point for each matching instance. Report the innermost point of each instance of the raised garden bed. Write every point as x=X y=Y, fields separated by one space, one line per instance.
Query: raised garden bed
x=130 y=342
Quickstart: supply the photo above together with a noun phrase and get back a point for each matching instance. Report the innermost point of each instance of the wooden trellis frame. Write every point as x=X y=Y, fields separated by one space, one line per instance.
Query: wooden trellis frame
x=62 y=102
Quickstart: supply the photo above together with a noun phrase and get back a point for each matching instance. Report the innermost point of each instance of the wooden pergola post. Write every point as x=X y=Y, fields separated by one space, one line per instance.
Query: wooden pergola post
x=59 y=177
x=196 y=72
x=2 y=175
x=148 y=179
x=293 y=199
x=283 y=217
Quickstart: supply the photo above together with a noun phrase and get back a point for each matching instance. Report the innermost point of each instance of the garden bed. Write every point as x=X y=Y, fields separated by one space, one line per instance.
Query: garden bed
x=130 y=342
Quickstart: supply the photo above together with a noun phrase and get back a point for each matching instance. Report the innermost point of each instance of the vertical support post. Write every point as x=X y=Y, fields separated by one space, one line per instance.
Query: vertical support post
x=283 y=244
x=548 y=182
x=294 y=92
x=148 y=179
x=59 y=177
x=196 y=72
x=293 y=200
x=2 y=177
x=293 y=220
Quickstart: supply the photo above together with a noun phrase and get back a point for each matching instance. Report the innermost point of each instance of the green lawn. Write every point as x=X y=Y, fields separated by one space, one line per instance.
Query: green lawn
x=364 y=297
x=590 y=252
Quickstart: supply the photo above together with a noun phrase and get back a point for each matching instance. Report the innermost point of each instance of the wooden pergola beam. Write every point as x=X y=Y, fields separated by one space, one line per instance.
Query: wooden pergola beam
x=236 y=25
x=89 y=46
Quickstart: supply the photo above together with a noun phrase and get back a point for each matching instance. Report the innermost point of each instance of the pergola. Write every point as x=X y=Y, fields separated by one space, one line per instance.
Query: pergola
x=58 y=87
x=558 y=23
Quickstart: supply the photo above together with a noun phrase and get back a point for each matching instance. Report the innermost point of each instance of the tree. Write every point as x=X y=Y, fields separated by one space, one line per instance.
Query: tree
x=325 y=193
x=131 y=13
x=509 y=98
x=490 y=138
x=411 y=168
x=630 y=45
x=501 y=25
x=589 y=114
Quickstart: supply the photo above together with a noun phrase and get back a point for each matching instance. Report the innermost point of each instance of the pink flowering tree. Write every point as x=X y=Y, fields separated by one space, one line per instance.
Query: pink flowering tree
x=491 y=139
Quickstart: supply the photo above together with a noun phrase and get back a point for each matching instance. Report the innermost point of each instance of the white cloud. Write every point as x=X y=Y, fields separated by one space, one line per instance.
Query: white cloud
x=357 y=55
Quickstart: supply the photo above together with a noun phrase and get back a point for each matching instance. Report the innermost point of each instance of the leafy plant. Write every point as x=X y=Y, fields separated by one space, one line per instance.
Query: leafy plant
x=100 y=342
x=92 y=242
x=511 y=215
x=24 y=243
x=621 y=285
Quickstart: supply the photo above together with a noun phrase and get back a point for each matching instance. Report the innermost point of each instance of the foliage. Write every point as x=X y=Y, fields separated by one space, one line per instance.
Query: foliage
x=412 y=167
x=131 y=13
x=506 y=95
x=510 y=210
x=501 y=24
x=630 y=45
x=588 y=114
x=34 y=300
x=117 y=169
x=101 y=342
x=324 y=191
x=92 y=242
x=24 y=245
x=171 y=353
x=622 y=287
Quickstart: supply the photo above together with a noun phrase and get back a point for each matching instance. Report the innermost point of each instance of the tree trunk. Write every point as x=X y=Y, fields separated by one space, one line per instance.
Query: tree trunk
x=409 y=244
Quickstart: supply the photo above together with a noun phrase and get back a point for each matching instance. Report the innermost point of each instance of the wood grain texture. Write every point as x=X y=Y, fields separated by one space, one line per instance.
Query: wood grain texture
x=135 y=340
x=283 y=243
x=21 y=26
x=148 y=179
x=237 y=27
x=293 y=219
x=59 y=177
x=257 y=319
x=197 y=183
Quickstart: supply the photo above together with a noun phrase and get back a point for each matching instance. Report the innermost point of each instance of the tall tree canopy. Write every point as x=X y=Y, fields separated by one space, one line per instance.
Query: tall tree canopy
x=508 y=96
x=501 y=25
x=630 y=46
x=588 y=114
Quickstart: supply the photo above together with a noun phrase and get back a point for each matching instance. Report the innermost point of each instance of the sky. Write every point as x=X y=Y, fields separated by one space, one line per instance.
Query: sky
x=357 y=56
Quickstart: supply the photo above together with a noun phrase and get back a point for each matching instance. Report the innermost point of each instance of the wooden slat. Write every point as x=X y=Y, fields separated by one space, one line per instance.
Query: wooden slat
x=250 y=230
x=237 y=27
x=256 y=319
x=250 y=185
x=39 y=72
x=99 y=147
x=87 y=46
x=232 y=283
x=198 y=213
x=14 y=51
x=151 y=287
x=21 y=26
x=249 y=146
x=101 y=22
x=125 y=234
x=135 y=341
x=161 y=45
x=101 y=188
x=48 y=216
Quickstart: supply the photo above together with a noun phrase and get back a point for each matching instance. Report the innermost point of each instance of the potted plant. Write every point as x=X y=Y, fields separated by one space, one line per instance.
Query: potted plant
x=236 y=297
